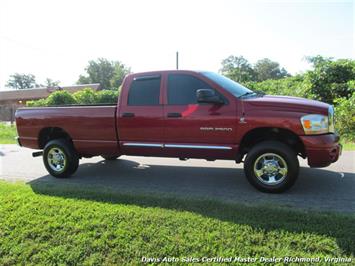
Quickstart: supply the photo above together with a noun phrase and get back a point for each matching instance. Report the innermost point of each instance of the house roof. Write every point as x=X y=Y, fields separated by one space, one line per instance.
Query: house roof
x=38 y=93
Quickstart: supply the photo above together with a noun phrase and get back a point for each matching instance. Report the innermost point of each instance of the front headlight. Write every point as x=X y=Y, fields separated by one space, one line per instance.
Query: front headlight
x=315 y=124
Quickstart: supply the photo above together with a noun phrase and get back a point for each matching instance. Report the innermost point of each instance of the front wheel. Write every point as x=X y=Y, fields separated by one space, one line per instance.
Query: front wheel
x=60 y=158
x=271 y=166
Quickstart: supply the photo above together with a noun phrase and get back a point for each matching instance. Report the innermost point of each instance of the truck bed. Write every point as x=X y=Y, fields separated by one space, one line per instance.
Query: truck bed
x=91 y=127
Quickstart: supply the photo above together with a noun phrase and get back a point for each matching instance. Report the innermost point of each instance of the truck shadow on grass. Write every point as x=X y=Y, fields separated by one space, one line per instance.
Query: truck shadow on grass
x=219 y=193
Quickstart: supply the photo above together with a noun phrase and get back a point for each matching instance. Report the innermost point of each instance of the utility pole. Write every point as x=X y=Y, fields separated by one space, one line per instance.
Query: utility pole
x=177 y=60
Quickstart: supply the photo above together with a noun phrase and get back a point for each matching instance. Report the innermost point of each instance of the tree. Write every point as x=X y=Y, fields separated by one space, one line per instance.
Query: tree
x=266 y=69
x=21 y=81
x=318 y=60
x=119 y=73
x=331 y=79
x=51 y=83
x=109 y=74
x=345 y=117
x=237 y=68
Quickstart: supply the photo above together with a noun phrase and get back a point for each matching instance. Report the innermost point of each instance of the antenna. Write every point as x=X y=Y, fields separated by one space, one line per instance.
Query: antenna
x=177 y=59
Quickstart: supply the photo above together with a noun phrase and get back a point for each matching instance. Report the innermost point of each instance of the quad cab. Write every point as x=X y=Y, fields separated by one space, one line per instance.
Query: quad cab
x=188 y=114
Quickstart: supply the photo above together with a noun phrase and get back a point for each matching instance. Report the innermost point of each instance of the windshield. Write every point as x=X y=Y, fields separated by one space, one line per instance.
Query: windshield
x=233 y=87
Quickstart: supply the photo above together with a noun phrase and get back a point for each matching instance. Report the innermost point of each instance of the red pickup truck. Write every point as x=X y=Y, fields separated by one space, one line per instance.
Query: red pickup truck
x=188 y=114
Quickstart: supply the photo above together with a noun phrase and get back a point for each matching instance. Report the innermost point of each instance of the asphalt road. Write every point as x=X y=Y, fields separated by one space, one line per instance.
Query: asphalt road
x=326 y=189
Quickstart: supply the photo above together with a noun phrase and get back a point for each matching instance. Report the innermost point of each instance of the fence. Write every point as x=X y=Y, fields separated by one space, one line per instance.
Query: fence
x=7 y=112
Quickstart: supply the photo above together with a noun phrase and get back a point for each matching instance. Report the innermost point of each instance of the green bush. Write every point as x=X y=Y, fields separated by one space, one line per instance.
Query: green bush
x=107 y=96
x=328 y=81
x=345 y=117
x=290 y=86
x=332 y=79
x=37 y=103
x=60 y=98
x=85 y=96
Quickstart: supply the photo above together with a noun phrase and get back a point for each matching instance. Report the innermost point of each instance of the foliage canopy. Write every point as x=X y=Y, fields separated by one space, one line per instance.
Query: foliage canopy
x=109 y=74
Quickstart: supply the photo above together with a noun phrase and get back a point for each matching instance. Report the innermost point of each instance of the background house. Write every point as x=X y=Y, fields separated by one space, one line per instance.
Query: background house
x=12 y=99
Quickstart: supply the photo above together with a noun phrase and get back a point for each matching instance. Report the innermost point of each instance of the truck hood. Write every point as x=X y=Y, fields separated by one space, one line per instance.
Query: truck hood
x=287 y=104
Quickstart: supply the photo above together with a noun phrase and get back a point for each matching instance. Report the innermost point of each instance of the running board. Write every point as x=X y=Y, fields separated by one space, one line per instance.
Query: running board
x=37 y=153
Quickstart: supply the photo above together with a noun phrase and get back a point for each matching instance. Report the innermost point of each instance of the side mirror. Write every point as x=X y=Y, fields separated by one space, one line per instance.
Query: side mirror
x=208 y=96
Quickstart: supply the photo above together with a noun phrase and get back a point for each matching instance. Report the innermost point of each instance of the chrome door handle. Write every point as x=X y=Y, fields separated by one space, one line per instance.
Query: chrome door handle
x=174 y=115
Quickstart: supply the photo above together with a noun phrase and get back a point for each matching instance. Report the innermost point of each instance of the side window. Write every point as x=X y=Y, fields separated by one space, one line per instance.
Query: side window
x=182 y=89
x=144 y=91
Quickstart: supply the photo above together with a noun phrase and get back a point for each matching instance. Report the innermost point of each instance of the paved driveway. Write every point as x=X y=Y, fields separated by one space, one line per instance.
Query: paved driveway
x=327 y=189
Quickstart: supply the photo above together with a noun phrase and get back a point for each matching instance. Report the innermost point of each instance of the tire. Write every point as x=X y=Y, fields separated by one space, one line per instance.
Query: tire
x=110 y=158
x=271 y=167
x=67 y=161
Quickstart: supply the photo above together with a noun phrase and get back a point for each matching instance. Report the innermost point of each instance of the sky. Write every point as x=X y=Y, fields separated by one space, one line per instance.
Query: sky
x=56 y=39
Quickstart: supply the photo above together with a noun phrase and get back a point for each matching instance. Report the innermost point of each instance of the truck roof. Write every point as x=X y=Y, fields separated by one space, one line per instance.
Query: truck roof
x=155 y=72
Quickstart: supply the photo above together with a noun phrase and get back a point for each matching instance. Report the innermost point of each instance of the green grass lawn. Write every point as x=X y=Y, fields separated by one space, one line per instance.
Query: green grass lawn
x=71 y=225
x=7 y=134
x=348 y=146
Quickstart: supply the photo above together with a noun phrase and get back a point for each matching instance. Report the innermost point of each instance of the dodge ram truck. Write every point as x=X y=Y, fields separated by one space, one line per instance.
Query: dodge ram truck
x=187 y=114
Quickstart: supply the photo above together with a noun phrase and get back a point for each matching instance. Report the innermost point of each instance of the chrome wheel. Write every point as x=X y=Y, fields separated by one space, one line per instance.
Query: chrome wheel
x=57 y=159
x=270 y=168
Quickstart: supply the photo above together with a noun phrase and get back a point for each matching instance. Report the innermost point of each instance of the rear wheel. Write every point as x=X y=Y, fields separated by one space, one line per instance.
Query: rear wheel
x=271 y=166
x=60 y=158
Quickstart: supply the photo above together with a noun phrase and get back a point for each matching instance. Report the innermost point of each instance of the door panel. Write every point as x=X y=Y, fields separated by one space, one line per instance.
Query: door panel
x=140 y=116
x=200 y=124
x=198 y=130
x=143 y=124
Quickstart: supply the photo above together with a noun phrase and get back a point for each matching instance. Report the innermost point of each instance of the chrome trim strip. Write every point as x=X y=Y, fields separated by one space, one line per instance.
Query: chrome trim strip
x=198 y=147
x=137 y=144
x=89 y=140
x=160 y=145
x=29 y=138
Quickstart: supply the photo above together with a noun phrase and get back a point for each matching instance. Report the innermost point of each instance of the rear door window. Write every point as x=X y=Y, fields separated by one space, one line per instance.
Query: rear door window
x=144 y=91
